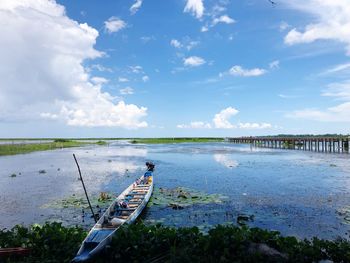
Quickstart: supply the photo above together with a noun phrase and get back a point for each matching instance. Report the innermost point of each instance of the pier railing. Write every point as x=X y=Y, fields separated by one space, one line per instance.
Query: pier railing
x=339 y=144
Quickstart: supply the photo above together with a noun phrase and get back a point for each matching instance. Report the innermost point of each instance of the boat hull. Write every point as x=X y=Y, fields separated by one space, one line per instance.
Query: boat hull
x=102 y=233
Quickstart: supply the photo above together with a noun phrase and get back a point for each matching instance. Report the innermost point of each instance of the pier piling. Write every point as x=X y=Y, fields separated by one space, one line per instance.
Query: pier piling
x=334 y=144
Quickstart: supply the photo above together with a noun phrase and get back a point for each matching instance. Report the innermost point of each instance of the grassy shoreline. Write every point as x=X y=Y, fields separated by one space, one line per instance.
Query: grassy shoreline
x=13 y=149
x=45 y=144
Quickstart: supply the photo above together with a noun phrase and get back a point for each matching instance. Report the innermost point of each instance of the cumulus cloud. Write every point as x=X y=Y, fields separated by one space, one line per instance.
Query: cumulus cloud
x=194 y=61
x=145 y=78
x=221 y=120
x=175 y=43
x=332 y=22
x=114 y=24
x=186 y=43
x=223 y=19
x=204 y=29
x=136 y=6
x=45 y=66
x=127 y=91
x=195 y=125
x=196 y=7
x=242 y=72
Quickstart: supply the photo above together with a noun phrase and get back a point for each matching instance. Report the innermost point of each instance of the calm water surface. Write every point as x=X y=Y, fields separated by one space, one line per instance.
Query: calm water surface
x=297 y=193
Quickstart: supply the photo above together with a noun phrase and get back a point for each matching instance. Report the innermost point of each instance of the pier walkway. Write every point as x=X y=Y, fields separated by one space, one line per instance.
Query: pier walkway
x=334 y=144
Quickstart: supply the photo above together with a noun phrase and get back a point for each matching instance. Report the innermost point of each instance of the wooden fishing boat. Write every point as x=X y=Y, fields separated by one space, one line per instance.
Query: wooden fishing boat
x=124 y=210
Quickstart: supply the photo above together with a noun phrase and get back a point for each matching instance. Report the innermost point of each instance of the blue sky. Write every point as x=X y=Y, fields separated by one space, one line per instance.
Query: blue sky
x=156 y=68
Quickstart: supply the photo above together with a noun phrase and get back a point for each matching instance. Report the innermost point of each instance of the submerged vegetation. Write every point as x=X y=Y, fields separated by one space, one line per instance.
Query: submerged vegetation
x=174 y=140
x=139 y=243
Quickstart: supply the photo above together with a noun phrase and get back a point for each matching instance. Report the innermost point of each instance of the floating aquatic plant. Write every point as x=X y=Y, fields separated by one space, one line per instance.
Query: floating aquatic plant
x=79 y=201
x=180 y=197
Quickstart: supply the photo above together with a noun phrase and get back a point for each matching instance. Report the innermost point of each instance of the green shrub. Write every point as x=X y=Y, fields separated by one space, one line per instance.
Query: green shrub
x=139 y=243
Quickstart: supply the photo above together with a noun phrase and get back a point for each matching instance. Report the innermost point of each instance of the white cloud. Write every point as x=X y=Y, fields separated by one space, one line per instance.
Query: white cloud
x=253 y=126
x=192 y=44
x=340 y=90
x=221 y=120
x=146 y=39
x=284 y=25
x=195 y=125
x=175 y=43
x=338 y=68
x=274 y=64
x=283 y=96
x=136 y=69
x=121 y=79
x=100 y=68
x=332 y=22
x=186 y=43
x=135 y=7
x=56 y=47
x=204 y=29
x=114 y=24
x=241 y=72
x=223 y=19
x=127 y=91
x=338 y=113
x=195 y=7
x=145 y=78
x=194 y=61
x=99 y=80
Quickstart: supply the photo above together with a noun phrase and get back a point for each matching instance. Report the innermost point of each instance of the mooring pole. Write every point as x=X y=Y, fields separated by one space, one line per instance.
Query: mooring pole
x=82 y=181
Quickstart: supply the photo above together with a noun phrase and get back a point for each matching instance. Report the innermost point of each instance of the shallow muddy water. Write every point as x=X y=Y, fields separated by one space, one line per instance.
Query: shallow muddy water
x=295 y=192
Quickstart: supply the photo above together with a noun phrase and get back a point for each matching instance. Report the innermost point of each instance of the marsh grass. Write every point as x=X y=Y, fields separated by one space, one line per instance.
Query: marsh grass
x=12 y=149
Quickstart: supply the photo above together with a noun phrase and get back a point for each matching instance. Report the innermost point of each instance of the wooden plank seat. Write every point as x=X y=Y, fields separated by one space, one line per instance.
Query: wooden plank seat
x=135 y=200
x=126 y=209
x=134 y=204
x=133 y=195
x=123 y=217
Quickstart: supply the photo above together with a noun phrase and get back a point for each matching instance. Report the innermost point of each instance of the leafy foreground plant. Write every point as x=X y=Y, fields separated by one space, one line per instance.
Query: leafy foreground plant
x=139 y=243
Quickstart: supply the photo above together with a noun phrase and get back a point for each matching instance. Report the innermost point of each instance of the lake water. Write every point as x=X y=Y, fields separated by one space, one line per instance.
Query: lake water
x=298 y=193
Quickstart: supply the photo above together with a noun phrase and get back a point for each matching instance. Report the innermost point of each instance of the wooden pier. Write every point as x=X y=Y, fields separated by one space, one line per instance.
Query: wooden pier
x=334 y=144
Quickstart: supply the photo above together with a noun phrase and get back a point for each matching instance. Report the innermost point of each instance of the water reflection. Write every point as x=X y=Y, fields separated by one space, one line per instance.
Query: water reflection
x=225 y=160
